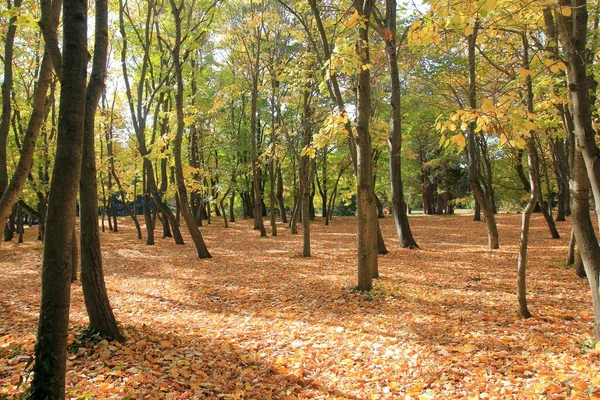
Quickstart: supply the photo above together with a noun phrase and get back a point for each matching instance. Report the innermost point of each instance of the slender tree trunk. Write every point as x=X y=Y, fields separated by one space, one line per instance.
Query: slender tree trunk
x=95 y=295
x=304 y=174
x=231 y=206
x=280 y=200
x=296 y=214
x=525 y=221
x=258 y=221
x=73 y=255
x=51 y=347
x=25 y=162
x=146 y=206
x=6 y=101
x=395 y=136
x=534 y=193
x=474 y=173
x=201 y=248
x=571 y=251
x=20 y=228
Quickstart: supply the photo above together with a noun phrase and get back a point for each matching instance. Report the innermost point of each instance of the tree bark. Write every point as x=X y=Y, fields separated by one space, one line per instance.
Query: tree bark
x=395 y=136
x=534 y=192
x=51 y=346
x=280 y=200
x=586 y=167
x=474 y=173
x=201 y=248
x=366 y=212
x=98 y=307
x=7 y=86
x=304 y=173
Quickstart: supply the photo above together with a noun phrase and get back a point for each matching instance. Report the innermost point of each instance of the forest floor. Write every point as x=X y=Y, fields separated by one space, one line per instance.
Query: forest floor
x=258 y=321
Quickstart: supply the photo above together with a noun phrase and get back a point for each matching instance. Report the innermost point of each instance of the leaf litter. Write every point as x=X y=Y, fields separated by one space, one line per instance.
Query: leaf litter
x=258 y=321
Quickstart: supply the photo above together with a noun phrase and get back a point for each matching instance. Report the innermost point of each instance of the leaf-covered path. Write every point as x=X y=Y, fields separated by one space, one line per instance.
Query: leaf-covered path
x=258 y=321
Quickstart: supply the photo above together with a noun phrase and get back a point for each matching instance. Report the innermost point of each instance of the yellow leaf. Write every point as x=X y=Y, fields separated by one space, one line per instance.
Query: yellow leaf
x=353 y=20
x=530 y=125
x=459 y=140
x=597 y=346
x=308 y=151
x=468 y=30
x=416 y=388
x=559 y=66
x=525 y=72
x=488 y=105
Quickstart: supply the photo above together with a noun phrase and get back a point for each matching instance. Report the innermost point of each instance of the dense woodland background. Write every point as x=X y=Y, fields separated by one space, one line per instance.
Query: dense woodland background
x=179 y=114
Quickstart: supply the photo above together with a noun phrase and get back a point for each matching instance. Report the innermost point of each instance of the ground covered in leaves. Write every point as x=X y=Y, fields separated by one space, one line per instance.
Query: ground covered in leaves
x=258 y=321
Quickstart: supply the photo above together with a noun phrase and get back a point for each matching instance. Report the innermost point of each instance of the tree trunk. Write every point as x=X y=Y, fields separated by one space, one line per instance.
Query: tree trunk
x=365 y=195
x=73 y=255
x=17 y=182
x=231 y=206
x=177 y=144
x=395 y=136
x=586 y=167
x=525 y=221
x=295 y=214
x=146 y=206
x=280 y=200
x=535 y=190
x=304 y=173
x=51 y=347
x=477 y=212
x=98 y=307
x=571 y=250
x=7 y=86
x=474 y=173
x=20 y=228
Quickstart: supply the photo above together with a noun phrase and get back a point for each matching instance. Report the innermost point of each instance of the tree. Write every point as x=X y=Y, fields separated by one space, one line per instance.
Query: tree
x=366 y=216
x=97 y=304
x=201 y=248
x=51 y=346
x=395 y=136
x=572 y=21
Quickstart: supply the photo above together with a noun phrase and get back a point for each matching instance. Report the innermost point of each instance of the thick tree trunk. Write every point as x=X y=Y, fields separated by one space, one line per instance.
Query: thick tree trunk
x=586 y=167
x=477 y=212
x=366 y=212
x=51 y=347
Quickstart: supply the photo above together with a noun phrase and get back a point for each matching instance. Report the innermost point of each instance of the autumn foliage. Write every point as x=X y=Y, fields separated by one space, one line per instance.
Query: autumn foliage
x=258 y=321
